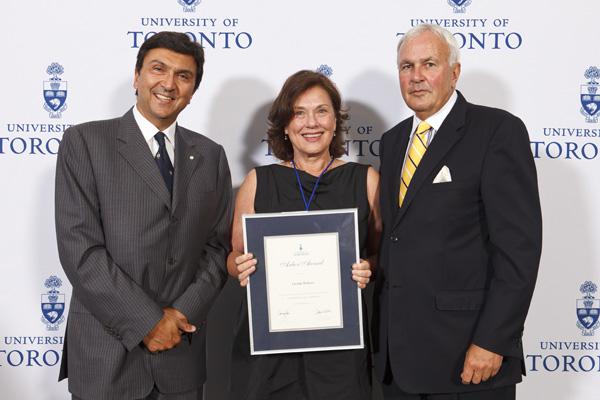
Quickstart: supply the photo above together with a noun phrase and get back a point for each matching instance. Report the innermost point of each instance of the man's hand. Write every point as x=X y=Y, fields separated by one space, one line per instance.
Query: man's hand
x=167 y=333
x=480 y=365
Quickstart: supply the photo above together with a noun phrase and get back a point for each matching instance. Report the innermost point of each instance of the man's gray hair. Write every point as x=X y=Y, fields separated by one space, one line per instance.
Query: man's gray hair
x=444 y=34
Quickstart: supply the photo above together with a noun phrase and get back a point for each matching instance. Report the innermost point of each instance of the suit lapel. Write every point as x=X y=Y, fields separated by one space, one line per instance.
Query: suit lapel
x=446 y=137
x=187 y=159
x=134 y=149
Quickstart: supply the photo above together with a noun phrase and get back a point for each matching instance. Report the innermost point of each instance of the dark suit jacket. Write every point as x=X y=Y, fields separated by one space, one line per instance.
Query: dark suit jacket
x=458 y=260
x=129 y=251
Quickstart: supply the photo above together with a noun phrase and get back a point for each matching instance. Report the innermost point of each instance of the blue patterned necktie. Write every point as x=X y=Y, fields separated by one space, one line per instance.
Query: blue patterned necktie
x=164 y=162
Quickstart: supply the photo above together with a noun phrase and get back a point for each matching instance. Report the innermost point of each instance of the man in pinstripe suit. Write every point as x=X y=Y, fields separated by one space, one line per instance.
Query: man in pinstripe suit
x=143 y=239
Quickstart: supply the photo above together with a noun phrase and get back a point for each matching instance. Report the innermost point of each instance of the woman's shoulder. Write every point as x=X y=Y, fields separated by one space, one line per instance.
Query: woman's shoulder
x=271 y=167
x=273 y=175
x=352 y=166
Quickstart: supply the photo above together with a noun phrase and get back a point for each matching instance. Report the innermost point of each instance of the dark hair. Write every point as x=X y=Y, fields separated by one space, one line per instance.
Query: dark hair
x=282 y=112
x=177 y=42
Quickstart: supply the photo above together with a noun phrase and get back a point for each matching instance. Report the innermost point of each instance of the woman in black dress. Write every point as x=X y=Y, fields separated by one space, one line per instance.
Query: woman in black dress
x=306 y=134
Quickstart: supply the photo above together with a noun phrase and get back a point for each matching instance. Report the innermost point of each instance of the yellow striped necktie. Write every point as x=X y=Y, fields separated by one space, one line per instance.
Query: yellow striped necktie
x=418 y=146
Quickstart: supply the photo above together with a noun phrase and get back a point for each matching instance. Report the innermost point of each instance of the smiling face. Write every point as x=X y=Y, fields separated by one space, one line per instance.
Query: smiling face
x=312 y=125
x=427 y=80
x=165 y=85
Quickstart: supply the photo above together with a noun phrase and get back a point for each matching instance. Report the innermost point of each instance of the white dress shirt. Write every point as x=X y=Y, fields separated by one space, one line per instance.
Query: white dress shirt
x=435 y=121
x=149 y=130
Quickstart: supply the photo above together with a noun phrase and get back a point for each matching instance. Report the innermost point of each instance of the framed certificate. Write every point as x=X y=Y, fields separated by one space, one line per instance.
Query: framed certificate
x=301 y=296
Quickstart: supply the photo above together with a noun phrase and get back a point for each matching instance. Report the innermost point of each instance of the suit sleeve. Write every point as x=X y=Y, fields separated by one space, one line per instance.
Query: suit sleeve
x=512 y=213
x=381 y=148
x=99 y=283
x=196 y=300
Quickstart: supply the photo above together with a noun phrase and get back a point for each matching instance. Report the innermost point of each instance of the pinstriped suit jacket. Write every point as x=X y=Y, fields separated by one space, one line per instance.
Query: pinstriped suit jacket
x=129 y=251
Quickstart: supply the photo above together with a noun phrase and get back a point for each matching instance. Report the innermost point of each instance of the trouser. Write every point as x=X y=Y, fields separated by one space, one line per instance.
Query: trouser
x=391 y=391
x=197 y=394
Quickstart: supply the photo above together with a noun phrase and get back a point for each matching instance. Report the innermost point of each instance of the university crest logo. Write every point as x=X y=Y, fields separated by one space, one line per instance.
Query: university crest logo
x=55 y=91
x=588 y=309
x=459 y=6
x=53 y=304
x=589 y=95
x=325 y=69
x=189 y=5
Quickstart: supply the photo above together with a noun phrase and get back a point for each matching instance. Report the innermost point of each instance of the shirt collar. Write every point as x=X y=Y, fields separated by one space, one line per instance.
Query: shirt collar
x=436 y=120
x=149 y=130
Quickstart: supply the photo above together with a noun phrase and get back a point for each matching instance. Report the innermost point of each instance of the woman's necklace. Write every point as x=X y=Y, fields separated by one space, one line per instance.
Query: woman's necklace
x=314 y=190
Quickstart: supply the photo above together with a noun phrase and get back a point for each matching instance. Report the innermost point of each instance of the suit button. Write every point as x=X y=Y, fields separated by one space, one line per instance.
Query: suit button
x=171 y=261
x=394 y=238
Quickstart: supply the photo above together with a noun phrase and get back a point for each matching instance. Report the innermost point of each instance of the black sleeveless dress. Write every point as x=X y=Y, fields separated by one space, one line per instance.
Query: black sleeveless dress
x=332 y=375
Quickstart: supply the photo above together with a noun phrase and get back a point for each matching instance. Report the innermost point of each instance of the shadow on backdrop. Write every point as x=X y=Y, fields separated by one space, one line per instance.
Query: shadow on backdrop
x=237 y=97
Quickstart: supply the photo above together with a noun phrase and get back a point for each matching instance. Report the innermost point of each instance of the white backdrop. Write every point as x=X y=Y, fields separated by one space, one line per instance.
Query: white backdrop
x=530 y=58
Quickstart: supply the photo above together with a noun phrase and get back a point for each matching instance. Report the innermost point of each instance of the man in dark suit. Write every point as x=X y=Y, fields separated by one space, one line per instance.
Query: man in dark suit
x=462 y=236
x=143 y=212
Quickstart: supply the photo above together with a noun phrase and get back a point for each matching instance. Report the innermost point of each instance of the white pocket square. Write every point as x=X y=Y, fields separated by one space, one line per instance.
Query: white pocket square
x=443 y=176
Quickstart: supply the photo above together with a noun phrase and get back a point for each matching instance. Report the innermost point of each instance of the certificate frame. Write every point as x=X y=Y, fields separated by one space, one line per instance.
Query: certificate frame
x=266 y=334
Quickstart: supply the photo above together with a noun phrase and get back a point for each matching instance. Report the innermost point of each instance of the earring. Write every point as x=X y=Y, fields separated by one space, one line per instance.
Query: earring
x=285 y=137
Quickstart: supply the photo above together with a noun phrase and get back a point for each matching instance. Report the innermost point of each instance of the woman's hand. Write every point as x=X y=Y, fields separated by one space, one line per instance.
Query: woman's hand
x=361 y=273
x=245 y=265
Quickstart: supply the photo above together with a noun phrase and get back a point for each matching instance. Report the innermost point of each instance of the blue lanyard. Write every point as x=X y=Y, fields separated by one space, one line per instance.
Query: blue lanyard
x=312 y=194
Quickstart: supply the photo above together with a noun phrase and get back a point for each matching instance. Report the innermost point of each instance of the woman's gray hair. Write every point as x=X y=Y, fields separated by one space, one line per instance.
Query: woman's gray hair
x=444 y=34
